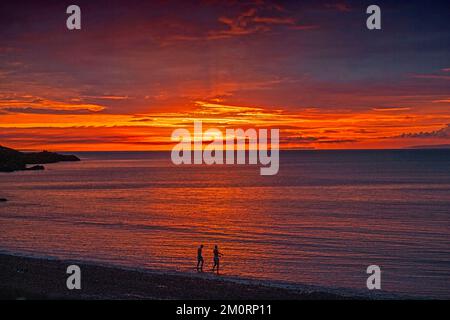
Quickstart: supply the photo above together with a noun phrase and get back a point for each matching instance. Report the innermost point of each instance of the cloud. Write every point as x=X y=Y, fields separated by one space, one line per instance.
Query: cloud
x=108 y=97
x=142 y=120
x=441 y=133
x=391 y=109
x=250 y=22
x=431 y=76
x=304 y=27
x=274 y=20
x=339 y=6
x=307 y=140
x=436 y=76
x=46 y=111
x=338 y=141
x=38 y=105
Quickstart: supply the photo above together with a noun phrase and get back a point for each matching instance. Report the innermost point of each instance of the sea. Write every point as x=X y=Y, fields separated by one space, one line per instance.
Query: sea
x=321 y=221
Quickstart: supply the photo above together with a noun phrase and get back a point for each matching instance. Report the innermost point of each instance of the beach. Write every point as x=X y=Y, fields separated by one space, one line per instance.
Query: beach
x=40 y=279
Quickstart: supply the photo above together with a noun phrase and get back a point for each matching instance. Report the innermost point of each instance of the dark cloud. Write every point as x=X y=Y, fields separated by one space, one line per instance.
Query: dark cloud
x=142 y=120
x=311 y=139
x=340 y=6
x=46 y=111
x=338 y=141
x=441 y=133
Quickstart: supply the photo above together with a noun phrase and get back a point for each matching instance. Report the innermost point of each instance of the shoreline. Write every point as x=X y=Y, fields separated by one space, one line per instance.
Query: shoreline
x=41 y=279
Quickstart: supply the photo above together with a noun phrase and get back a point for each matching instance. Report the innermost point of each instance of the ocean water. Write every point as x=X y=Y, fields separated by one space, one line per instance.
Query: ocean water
x=321 y=221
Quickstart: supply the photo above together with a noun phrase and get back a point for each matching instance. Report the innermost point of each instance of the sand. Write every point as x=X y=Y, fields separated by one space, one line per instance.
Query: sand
x=33 y=278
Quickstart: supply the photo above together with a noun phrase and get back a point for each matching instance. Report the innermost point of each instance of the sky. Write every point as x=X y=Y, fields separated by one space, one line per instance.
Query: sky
x=138 y=70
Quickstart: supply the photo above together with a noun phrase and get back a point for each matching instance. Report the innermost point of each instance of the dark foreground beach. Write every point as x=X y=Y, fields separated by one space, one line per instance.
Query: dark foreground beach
x=32 y=278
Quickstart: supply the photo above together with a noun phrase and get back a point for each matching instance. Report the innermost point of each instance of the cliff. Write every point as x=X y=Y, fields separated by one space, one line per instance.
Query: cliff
x=13 y=160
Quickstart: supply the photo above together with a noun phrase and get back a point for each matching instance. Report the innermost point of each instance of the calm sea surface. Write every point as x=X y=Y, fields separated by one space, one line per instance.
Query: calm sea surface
x=321 y=221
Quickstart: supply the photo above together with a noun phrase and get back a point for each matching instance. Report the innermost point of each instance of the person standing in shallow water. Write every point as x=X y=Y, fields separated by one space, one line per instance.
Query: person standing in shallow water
x=200 y=258
x=217 y=256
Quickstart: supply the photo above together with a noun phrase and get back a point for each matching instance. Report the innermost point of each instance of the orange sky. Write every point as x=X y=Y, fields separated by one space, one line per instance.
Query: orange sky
x=262 y=64
x=311 y=128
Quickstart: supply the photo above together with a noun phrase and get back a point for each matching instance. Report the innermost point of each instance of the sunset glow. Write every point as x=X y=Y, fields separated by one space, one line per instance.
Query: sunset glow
x=63 y=90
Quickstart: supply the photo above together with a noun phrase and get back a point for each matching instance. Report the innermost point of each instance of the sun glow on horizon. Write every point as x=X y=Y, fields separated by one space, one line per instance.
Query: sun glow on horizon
x=309 y=128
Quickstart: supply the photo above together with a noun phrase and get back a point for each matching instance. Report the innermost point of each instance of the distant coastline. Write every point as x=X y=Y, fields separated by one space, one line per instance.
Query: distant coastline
x=434 y=147
x=12 y=160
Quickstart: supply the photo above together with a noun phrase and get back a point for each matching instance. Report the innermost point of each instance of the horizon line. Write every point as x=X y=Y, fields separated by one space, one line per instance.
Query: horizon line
x=246 y=150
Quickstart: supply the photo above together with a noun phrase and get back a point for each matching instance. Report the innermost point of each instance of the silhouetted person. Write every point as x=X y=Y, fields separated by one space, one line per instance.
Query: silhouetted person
x=217 y=256
x=200 y=258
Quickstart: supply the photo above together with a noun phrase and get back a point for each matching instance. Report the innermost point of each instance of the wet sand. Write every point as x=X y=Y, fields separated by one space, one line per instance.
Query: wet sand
x=33 y=278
